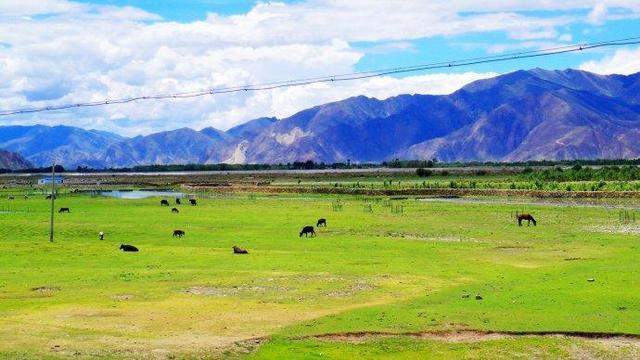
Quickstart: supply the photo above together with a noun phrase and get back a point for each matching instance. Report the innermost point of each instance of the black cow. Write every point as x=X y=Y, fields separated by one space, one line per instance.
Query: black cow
x=178 y=233
x=193 y=202
x=49 y=197
x=164 y=202
x=175 y=210
x=307 y=230
x=321 y=222
x=237 y=250
x=177 y=201
x=11 y=198
x=62 y=210
x=125 y=247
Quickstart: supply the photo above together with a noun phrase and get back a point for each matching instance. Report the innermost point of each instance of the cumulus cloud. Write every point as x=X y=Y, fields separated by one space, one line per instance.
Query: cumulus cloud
x=598 y=15
x=60 y=51
x=622 y=61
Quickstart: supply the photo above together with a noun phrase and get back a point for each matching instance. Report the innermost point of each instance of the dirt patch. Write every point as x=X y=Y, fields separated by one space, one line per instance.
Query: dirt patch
x=232 y=291
x=351 y=290
x=122 y=297
x=45 y=290
x=512 y=248
x=479 y=335
x=420 y=237
x=628 y=229
x=211 y=291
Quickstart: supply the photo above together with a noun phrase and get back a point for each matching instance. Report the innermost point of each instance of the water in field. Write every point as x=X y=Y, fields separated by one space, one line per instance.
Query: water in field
x=140 y=194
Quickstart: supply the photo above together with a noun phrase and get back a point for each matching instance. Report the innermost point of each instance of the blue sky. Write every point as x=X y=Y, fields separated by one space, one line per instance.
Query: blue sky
x=426 y=50
x=185 y=10
x=65 y=51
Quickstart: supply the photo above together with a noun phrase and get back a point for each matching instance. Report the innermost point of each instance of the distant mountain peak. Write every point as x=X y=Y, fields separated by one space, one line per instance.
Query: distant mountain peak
x=526 y=114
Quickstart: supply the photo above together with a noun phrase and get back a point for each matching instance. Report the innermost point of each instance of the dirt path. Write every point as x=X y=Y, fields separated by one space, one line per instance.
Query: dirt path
x=473 y=335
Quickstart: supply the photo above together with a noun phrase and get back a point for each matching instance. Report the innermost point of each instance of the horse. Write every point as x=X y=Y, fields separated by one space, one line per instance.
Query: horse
x=178 y=233
x=164 y=202
x=62 y=210
x=175 y=210
x=321 y=222
x=527 y=217
x=307 y=230
x=177 y=201
x=193 y=202
x=125 y=247
x=237 y=250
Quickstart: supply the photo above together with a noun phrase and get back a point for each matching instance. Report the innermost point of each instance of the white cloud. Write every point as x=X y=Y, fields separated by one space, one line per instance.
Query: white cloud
x=59 y=51
x=622 y=61
x=598 y=15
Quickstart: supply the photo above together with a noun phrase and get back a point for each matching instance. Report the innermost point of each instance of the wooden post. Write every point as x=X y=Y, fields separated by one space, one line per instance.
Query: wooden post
x=53 y=197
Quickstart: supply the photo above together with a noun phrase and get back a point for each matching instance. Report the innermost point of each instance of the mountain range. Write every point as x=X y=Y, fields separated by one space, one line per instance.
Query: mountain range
x=524 y=115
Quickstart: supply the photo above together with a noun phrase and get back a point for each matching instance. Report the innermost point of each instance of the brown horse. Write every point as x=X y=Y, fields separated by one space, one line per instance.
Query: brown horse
x=527 y=217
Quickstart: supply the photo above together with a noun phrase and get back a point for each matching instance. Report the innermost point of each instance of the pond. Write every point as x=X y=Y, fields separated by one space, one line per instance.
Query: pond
x=141 y=194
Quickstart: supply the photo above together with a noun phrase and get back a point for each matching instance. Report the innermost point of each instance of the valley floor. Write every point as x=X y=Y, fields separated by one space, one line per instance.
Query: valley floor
x=385 y=279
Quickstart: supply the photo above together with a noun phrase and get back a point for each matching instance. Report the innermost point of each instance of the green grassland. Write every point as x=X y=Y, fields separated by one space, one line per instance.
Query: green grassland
x=394 y=278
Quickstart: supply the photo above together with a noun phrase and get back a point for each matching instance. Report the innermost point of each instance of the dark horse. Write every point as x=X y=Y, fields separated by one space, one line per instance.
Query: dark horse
x=64 y=210
x=178 y=233
x=527 y=217
x=164 y=202
x=125 y=247
x=237 y=250
x=321 y=222
x=307 y=230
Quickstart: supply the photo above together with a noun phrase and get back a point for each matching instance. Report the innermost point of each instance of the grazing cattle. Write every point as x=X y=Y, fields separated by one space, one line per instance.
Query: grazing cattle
x=237 y=250
x=26 y=197
x=125 y=247
x=175 y=210
x=164 y=202
x=101 y=235
x=49 y=197
x=193 y=202
x=321 y=222
x=178 y=233
x=177 y=201
x=527 y=217
x=307 y=230
x=11 y=198
x=63 y=210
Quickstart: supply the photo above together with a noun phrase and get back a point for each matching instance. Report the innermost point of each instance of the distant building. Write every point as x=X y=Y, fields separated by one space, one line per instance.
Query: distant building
x=48 y=179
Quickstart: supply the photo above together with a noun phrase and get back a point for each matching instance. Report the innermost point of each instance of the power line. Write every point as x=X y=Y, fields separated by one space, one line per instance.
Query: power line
x=340 y=77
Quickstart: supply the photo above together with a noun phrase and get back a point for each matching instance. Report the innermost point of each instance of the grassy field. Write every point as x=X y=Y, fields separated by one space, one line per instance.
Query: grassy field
x=373 y=284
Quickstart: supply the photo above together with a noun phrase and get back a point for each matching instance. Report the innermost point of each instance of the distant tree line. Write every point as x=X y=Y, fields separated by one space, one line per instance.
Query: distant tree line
x=580 y=170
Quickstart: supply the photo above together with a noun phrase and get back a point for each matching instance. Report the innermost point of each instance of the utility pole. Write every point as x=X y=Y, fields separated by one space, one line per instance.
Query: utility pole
x=53 y=197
